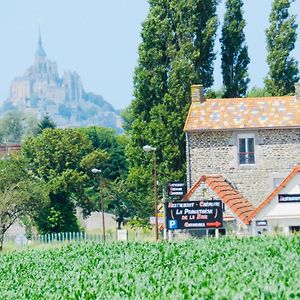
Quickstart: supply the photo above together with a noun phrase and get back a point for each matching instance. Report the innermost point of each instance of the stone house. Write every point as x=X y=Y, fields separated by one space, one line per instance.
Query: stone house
x=239 y=150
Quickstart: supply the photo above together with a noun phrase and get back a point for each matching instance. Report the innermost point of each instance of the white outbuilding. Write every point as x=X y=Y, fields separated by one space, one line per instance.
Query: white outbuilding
x=280 y=211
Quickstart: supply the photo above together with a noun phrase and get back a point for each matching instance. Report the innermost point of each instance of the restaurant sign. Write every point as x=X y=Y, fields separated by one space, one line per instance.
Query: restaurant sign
x=176 y=189
x=288 y=198
x=194 y=214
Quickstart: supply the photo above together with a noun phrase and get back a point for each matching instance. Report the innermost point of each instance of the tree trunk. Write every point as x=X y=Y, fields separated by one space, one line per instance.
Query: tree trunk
x=1 y=241
x=119 y=223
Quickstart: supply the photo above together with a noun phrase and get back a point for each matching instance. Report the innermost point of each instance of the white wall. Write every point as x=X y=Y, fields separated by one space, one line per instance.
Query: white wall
x=282 y=215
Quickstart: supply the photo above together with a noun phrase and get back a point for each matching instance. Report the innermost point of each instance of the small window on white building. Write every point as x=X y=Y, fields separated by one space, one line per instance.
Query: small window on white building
x=246 y=149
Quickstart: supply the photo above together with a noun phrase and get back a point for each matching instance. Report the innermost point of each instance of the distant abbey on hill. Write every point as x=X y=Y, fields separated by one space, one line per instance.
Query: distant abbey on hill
x=41 y=91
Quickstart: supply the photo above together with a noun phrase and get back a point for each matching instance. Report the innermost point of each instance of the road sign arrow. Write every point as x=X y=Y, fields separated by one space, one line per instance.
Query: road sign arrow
x=214 y=224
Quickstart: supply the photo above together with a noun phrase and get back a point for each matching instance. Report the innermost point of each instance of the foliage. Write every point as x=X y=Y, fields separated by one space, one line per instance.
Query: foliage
x=234 y=51
x=128 y=116
x=214 y=94
x=120 y=203
x=30 y=125
x=140 y=192
x=46 y=122
x=97 y=158
x=245 y=268
x=281 y=38
x=63 y=158
x=16 y=126
x=11 y=127
x=21 y=194
x=176 y=51
x=55 y=151
x=59 y=156
x=258 y=92
x=112 y=146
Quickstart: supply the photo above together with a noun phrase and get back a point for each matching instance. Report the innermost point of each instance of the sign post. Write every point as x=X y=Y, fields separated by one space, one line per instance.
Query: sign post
x=194 y=214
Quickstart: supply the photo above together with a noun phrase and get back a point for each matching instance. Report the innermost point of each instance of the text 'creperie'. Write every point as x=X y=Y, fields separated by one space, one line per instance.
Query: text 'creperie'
x=194 y=214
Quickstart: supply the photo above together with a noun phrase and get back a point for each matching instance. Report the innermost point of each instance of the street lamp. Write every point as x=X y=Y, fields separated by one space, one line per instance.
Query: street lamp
x=149 y=148
x=96 y=171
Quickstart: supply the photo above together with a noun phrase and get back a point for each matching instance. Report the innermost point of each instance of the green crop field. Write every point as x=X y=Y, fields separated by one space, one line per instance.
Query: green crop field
x=227 y=268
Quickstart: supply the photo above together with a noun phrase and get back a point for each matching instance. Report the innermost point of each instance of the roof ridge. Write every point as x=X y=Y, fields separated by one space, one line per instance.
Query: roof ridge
x=252 y=98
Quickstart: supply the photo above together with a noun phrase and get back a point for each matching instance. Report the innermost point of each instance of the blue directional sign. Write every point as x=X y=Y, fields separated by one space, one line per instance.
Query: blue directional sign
x=194 y=214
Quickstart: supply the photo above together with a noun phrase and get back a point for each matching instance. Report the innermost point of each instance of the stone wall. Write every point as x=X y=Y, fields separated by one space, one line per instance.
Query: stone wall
x=277 y=152
x=19 y=91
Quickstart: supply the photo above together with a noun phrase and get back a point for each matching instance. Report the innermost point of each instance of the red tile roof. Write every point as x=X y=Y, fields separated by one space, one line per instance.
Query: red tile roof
x=9 y=148
x=241 y=207
x=274 y=193
x=242 y=113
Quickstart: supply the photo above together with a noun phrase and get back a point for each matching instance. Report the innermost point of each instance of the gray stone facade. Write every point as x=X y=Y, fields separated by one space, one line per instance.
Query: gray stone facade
x=277 y=152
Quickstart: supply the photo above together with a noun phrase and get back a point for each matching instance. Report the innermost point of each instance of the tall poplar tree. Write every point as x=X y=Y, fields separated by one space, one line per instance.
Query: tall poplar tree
x=234 y=50
x=281 y=37
x=176 y=51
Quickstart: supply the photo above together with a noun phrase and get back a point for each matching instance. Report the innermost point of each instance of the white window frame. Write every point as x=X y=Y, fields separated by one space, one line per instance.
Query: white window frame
x=246 y=136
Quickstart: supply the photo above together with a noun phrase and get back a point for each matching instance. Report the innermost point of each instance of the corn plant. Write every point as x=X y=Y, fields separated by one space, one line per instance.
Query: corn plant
x=226 y=268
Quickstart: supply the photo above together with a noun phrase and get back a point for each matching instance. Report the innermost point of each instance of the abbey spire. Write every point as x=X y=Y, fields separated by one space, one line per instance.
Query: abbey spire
x=40 y=53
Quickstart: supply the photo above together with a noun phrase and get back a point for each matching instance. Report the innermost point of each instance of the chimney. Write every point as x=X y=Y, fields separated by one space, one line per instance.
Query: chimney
x=297 y=91
x=197 y=93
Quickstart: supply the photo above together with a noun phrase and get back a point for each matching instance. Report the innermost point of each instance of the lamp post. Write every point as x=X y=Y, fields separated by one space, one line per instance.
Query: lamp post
x=149 y=148
x=95 y=171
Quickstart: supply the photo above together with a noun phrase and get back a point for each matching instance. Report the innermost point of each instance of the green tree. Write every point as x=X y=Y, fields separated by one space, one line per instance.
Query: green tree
x=119 y=202
x=21 y=193
x=16 y=126
x=114 y=168
x=46 y=122
x=281 y=38
x=106 y=139
x=11 y=127
x=234 y=51
x=258 y=92
x=214 y=94
x=176 y=51
x=30 y=126
x=60 y=157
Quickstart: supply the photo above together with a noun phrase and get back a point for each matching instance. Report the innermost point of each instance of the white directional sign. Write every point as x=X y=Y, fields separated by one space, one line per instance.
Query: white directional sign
x=176 y=189
x=160 y=220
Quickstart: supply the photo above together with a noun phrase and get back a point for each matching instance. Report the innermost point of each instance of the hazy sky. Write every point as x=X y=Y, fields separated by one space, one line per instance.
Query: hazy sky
x=99 y=39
